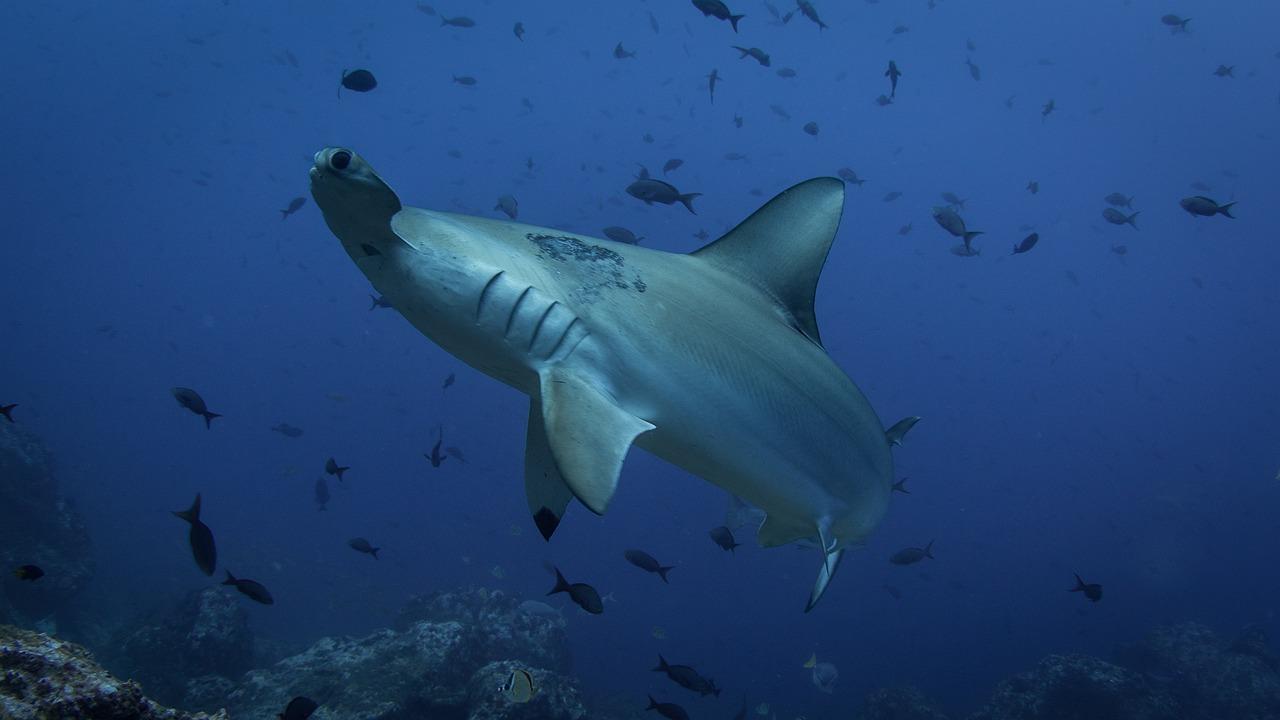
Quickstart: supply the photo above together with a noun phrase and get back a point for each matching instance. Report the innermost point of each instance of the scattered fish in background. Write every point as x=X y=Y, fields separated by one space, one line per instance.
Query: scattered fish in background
x=712 y=78
x=322 y=493
x=294 y=206
x=622 y=53
x=7 y=411
x=518 y=31
x=672 y=164
x=508 y=205
x=455 y=453
x=1225 y=71
x=620 y=234
x=905 y=229
x=806 y=8
x=363 y=546
x=811 y=128
x=1119 y=200
x=884 y=100
x=252 y=589
x=191 y=400
x=651 y=191
x=1027 y=243
x=332 y=467
x=434 y=456
x=30 y=573
x=901 y=486
x=519 y=687
x=754 y=53
x=912 y=555
x=1092 y=591
x=951 y=221
x=719 y=11
x=891 y=196
x=1115 y=217
x=582 y=594
x=1175 y=23
x=448 y=381
x=723 y=537
x=299 y=708
x=688 y=678
x=377 y=302
x=287 y=430
x=851 y=177
x=893 y=73
x=645 y=561
x=822 y=674
x=200 y=537
x=465 y=80
x=1205 y=207
x=1047 y=109
x=786 y=73
x=458 y=22
x=1033 y=187
x=953 y=200
x=361 y=81
x=671 y=711
x=974 y=71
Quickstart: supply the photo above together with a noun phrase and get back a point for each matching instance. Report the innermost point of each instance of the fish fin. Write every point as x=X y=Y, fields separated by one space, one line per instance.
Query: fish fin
x=6 y=410
x=231 y=579
x=562 y=585
x=928 y=551
x=663 y=570
x=782 y=247
x=830 y=562
x=544 y=487
x=208 y=419
x=733 y=20
x=662 y=664
x=687 y=199
x=192 y=514
x=1226 y=210
x=588 y=434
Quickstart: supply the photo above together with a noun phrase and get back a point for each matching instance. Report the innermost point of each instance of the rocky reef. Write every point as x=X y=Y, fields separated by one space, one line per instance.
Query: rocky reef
x=38 y=526
x=42 y=678
x=899 y=704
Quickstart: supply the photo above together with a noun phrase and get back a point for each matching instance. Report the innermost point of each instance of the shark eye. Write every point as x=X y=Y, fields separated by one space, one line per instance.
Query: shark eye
x=340 y=160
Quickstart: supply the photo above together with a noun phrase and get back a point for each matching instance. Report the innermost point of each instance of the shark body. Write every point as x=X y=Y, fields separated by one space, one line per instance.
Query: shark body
x=711 y=360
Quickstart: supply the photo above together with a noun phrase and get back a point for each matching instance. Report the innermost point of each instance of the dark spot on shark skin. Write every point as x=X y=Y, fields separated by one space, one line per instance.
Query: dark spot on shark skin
x=602 y=267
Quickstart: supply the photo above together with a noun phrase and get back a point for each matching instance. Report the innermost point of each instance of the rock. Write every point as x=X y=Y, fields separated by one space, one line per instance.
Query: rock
x=1070 y=687
x=206 y=634
x=38 y=526
x=42 y=677
x=556 y=698
x=899 y=704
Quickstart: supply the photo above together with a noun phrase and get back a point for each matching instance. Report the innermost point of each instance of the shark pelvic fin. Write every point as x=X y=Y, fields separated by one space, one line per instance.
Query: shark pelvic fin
x=830 y=562
x=588 y=435
x=782 y=247
x=544 y=488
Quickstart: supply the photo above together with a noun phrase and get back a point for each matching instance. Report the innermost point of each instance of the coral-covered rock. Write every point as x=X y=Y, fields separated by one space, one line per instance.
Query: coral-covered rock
x=899 y=704
x=42 y=677
x=496 y=626
x=556 y=697
x=1077 y=687
x=38 y=526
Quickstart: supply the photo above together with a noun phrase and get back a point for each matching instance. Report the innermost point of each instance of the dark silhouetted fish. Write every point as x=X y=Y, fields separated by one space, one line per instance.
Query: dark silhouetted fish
x=518 y=29
x=645 y=561
x=672 y=164
x=455 y=453
x=622 y=53
x=7 y=411
x=434 y=456
x=201 y=538
x=1225 y=71
x=1205 y=207
x=30 y=573
x=1048 y=109
x=332 y=467
x=1093 y=591
x=1033 y=187
x=849 y=176
x=811 y=128
x=1176 y=24
x=1115 y=217
x=1027 y=243
x=712 y=79
x=287 y=430
x=466 y=80
x=719 y=11
x=671 y=711
x=806 y=9
x=884 y=100
x=582 y=594
x=688 y=678
x=361 y=545
x=252 y=588
x=1119 y=200
x=975 y=72
x=460 y=22
x=893 y=73
x=191 y=400
x=379 y=301
x=294 y=206
x=901 y=486
x=723 y=537
x=299 y=708
x=905 y=229
x=756 y=53
x=912 y=555
x=786 y=73
x=656 y=191
x=322 y=493
x=449 y=380
x=358 y=81
x=899 y=430
x=508 y=205
x=950 y=221
x=953 y=200
x=891 y=196
x=622 y=235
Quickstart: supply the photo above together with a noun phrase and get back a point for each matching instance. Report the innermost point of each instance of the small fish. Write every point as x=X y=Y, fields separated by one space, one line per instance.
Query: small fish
x=901 y=486
x=1115 y=217
x=582 y=594
x=322 y=493
x=1205 y=207
x=7 y=411
x=622 y=53
x=672 y=164
x=287 y=430
x=1225 y=71
x=723 y=537
x=755 y=53
x=811 y=128
x=1201 y=186
x=786 y=73
x=519 y=687
x=294 y=206
x=648 y=138
x=950 y=221
x=849 y=176
x=712 y=79
x=645 y=561
x=688 y=678
x=508 y=205
x=912 y=555
x=1047 y=109
x=361 y=545
x=1175 y=23
x=1119 y=200
x=884 y=100
x=379 y=301
x=905 y=229
x=653 y=23
x=1033 y=186
x=191 y=400
x=252 y=588
x=1027 y=243
x=30 y=573
x=426 y=9
x=518 y=30
x=975 y=72
x=357 y=81
x=300 y=708
x=449 y=380
x=702 y=234
x=652 y=191
x=891 y=196
x=434 y=456
x=895 y=434
x=953 y=200
x=332 y=467
x=737 y=120
x=460 y=21
x=780 y=111
x=622 y=235
x=671 y=711
x=201 y=538
x=456 y=453
x=806 y=8
x=1121 y=250
x=718 y=10
x=823 y=675
x=465 y=80
x=1093 y=591
x=893 y=73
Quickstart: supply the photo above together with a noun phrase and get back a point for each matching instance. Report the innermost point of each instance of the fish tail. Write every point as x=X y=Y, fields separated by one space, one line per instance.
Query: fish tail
x=6 y=409
x=1079 y=584
x=1132 y=218
x=662 y=571
x=928 y=550
x=374 y=553
x=733 y=20
x=339 y=472
x=373 y=304
x=562 y=585
x=662 y=664
x=687 y=199
x=1226 y=210
x=443 y=21
x=744 y=54
x=284 y=214
x=231 y=579
x=208 y=418
x=969 y=236
x=192 y=514
x=652 y=703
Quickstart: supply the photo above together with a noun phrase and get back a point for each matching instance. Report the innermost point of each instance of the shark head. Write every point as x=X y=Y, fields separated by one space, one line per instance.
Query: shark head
x=357 y=204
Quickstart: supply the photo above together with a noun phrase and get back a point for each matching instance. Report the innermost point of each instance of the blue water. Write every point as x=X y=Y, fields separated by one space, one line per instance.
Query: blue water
x=1084 y=412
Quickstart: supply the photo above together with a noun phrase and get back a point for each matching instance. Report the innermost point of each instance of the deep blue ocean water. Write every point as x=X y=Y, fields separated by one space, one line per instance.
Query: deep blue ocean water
x=1084 y=411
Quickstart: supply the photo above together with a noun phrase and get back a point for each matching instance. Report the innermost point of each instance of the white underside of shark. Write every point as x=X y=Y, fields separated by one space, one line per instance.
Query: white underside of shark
x=711 y=360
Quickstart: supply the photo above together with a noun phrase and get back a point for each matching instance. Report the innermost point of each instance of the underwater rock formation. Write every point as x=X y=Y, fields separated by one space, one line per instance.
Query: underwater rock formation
x=38 y=526
x=42 y=677
x=207 y=634
x=899 y=704
x=446 y=658
x=1078 y=686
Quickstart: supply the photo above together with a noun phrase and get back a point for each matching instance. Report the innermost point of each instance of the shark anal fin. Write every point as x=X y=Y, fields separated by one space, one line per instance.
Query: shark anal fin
x=588 y=434
x=544 y=488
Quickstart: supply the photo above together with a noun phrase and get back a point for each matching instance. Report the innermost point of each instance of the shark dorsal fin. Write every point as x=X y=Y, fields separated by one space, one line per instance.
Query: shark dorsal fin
x=782 y=247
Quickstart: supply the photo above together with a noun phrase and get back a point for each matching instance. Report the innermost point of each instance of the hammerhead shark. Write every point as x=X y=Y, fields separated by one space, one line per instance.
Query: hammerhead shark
x=710 y=360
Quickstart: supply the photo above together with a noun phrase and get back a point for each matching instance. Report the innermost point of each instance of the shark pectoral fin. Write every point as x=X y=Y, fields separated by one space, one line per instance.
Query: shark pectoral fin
x=782 y=247
x=588 y=435
x=544 y=488
x=830 y=561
